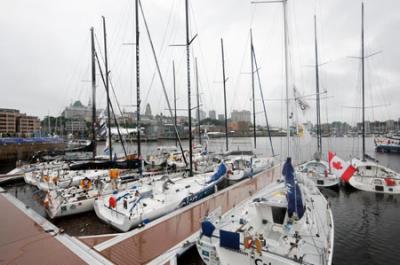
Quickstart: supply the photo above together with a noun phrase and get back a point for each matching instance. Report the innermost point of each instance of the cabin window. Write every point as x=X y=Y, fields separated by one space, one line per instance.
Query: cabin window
x=368 y=167
x=278 y=214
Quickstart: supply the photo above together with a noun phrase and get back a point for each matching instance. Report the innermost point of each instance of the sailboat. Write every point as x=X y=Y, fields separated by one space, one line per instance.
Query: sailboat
x=369 y=175
x=287 y=222
x=317 y=169
x=129 y=208
x=243 y=163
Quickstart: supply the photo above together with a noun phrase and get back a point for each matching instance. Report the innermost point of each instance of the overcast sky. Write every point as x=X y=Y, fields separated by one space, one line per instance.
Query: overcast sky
x=45 y=54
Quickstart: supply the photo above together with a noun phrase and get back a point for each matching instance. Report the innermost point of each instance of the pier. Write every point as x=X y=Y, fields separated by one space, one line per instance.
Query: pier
x=157 y=242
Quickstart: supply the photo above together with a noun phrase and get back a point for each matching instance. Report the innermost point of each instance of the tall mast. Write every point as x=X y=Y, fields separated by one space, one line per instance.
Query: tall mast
x=262 y=99
x=93 y=53
x=285 y=27
x=188 y=85
x=252 y=89
x=198 y=100
x=107 y=86
x=362 y=81
x=319 y=136
x=173 y=73
x=138 y=101
x=224 y=82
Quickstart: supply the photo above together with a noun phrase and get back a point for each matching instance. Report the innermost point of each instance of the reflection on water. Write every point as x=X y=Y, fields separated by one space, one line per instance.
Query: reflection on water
x=366 y=224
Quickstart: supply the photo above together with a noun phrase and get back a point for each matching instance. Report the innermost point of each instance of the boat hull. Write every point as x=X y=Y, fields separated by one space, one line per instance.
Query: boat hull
x=374 y=184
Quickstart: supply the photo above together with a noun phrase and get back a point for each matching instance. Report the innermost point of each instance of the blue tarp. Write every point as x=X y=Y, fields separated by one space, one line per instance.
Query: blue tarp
x=207 y=228
x=17 y=140
x=229 y=239
x=220 y=172
x=295 y=201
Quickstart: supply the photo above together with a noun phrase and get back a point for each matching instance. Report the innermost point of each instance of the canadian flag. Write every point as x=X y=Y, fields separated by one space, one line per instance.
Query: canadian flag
x=340 y=168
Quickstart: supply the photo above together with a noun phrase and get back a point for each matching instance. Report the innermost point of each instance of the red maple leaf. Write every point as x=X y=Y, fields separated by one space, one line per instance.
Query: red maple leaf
x=337 y=165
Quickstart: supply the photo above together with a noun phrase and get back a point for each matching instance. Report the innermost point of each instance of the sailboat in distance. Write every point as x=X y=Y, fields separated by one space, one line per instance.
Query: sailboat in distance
x=370 y=175
x=317 y=169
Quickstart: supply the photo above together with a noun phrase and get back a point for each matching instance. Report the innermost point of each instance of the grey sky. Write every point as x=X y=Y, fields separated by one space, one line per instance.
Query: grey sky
x=45 y=60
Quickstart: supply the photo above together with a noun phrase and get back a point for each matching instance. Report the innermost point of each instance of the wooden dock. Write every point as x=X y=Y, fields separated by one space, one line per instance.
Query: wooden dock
x=139 y=246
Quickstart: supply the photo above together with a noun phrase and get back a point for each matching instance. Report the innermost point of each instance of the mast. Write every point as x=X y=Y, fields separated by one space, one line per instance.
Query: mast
x=161 y=79
x=262 y=100
x=138 y=101
x=198 y=100
x=173 y=73
x=362 y=81
x=319 y=136
x=93 y=54
x=188 y=85
x=107 y=86
x=285 y=27
x=224 y=82
x=252 y=88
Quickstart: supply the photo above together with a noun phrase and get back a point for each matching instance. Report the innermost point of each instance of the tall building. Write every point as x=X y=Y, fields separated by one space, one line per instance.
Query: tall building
x=243 y=115
x=148 y=111
x=27 y=124
x=8 y=120
x=221 y=117
x=212 y=114
x=13 y=122
x=202 y=114
x=78 y=111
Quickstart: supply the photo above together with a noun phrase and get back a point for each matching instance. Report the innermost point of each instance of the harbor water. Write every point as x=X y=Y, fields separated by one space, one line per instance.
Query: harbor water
x=366 y=229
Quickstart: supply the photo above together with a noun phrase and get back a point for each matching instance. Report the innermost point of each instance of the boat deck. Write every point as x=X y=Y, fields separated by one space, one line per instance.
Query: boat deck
x=34 y=240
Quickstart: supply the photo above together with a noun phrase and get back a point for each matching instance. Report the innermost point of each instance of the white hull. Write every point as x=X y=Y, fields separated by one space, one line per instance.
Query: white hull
x=167 y=196
x=373 y=177
x=250 y=219
x=318 y=172
x=371 y=184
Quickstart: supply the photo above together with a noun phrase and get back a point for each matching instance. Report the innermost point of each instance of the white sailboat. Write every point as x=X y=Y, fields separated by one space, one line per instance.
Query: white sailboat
x=288 y=222
x=317 y=169
x=167 y=195
x=370 y=175
x=282 y=224
x=241 y=167
x=80 y=199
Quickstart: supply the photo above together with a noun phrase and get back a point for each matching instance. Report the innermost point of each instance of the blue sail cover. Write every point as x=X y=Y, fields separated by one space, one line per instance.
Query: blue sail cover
x=295 y=201
x=219 y=174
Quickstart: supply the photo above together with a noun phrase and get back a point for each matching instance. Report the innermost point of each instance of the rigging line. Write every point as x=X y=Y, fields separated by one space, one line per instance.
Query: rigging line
x=161 y=80
x=262 y=96
x=161 y=51
x=238 y=76
x=111 y=106
x=74 y=76
x=122 y=114
x=202 y=57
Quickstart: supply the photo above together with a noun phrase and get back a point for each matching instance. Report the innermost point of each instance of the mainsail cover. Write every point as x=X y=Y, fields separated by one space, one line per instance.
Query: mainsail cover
x=295 y=201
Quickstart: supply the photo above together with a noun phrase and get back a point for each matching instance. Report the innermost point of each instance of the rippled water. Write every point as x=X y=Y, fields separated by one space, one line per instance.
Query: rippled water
x=366 y=230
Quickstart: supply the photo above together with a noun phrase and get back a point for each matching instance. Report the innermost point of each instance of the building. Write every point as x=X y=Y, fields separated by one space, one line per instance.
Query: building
x=75 y=126
x=212 y=115
x=147 y=112
x=78 y=111
x=13 y=122
x=27 y=124
x=243 y=115
x=221 y=117
x=8 y=120
x=202 y=115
